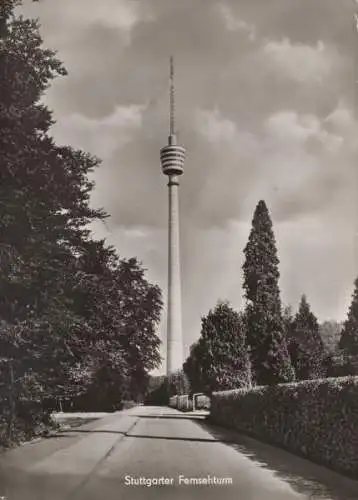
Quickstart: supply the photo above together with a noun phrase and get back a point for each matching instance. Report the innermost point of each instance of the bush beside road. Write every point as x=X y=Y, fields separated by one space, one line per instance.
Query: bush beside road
x=294 y=416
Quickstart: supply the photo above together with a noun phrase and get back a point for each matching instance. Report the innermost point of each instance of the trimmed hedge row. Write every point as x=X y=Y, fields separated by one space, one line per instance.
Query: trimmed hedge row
x=317 y=419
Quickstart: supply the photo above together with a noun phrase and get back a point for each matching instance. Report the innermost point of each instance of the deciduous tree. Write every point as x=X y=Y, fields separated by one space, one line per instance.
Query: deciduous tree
x=222 y=352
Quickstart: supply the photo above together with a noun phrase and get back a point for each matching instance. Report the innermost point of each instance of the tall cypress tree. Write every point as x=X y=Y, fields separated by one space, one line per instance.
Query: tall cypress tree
x=270 y=359
x=305 y=344
x=349 y=336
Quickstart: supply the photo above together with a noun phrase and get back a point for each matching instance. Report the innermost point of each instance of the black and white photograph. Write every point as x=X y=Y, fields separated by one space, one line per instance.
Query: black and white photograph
x=179 y=249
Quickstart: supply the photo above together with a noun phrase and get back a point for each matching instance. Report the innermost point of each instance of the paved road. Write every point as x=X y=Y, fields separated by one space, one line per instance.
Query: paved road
x=104 y=460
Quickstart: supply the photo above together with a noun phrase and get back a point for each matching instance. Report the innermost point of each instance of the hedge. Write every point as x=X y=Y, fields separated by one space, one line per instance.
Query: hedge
x=317 y=419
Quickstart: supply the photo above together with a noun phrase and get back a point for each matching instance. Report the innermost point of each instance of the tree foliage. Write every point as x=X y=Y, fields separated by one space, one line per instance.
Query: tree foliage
x=44 y=201
x=342 y=358
x=157 y=391
x=73 y=316
x=193 y=368
x=221 y=355
x=178 y=383
x=305 y=344
x=265 y=328
x=349 y=336
x=330 y=332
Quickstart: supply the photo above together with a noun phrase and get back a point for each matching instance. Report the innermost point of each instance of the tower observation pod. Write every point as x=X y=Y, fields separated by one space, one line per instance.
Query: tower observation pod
x=172 y=159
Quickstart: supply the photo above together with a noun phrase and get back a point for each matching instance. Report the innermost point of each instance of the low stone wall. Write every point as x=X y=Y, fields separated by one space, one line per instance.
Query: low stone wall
x=317 y=419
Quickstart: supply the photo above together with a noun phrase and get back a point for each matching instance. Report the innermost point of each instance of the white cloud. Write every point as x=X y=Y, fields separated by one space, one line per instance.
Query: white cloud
x=288 y=125
x=292 y=163
x=293 y=129
x=117 y=14
x=234 y=23
x=301 y=62
x=223 y=132
x=341 y=119
x=214 y=127
x=301 y=159
x=79 y=19
x=120 y=14
x=136 y=233
x=100 y=137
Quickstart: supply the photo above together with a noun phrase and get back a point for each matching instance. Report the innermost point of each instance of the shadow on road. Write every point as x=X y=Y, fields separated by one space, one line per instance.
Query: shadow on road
x=55 y=436
x=69 y=421
x=142 y=436
x=304 y=476
x=172 y=417
x=89 y=431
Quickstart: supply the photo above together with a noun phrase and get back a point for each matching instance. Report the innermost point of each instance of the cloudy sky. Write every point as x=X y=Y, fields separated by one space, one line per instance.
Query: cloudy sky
x=265 y=108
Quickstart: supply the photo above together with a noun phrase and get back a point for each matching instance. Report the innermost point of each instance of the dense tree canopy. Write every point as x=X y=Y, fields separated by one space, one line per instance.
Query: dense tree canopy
x=221 y=356
x=73 y=316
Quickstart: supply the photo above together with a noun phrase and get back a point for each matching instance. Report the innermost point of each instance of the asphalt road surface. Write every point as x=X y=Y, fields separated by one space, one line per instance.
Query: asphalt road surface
x=158 y=453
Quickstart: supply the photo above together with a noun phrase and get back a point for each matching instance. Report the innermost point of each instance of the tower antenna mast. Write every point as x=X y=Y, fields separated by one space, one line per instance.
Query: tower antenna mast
x=172 y=98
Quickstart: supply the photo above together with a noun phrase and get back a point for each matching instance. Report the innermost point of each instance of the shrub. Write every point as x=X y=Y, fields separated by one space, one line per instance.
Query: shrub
x=315 y=418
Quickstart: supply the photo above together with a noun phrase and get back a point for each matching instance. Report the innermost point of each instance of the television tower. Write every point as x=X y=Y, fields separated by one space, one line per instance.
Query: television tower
x=172 y=159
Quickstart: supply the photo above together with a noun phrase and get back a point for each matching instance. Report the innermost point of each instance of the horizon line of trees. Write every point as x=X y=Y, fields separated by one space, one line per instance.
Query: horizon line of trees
x=76 y=320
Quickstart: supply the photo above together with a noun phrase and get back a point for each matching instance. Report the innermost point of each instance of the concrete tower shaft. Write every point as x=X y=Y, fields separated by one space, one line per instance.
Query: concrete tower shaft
x=175 y=351
x=172 y=159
